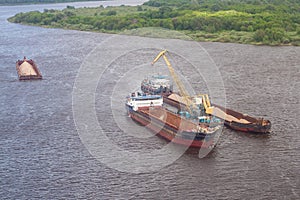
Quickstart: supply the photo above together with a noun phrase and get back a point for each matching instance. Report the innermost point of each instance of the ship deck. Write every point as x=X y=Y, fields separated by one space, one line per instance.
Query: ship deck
x=169 y=118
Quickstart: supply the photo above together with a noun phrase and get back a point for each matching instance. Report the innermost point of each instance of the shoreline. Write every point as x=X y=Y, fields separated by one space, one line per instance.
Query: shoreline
x=162 y=37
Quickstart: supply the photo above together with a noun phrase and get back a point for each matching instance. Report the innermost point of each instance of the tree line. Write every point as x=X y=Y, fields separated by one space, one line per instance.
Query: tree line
x=266 y=22
x=11 y=2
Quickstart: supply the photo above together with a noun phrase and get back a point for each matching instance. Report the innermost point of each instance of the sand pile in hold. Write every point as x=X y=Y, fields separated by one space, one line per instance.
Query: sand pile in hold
x=216 y=111
x=27 y=69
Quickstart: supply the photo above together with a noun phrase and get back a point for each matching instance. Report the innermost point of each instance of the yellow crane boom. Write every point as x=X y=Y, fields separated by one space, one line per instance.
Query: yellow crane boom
x=179 y=84
x=182 y=91
x=206 y=103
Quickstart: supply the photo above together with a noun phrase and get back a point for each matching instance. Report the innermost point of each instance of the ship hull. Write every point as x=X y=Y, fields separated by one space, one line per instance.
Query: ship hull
x=162 y=129
x=248 y=127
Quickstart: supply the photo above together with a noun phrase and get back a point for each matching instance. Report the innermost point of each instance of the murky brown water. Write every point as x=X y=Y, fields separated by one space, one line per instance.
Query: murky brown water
x=42 y=156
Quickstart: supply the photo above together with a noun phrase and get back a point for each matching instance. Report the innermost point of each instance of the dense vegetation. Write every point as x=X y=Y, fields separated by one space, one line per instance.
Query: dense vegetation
x=14 y=2
x=273 y=22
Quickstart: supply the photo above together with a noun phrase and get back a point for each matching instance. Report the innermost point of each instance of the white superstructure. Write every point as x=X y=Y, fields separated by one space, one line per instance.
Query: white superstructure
x=137 y=100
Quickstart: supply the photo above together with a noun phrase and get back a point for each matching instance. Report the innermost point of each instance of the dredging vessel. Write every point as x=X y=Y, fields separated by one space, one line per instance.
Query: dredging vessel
x=182 y=101
x=27 y=70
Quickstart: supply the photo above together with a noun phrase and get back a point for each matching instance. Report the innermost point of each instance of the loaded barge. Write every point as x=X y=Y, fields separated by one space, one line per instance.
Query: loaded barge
x=27 y=70
x=148 y=111
x=243 y=122
x=232 y=119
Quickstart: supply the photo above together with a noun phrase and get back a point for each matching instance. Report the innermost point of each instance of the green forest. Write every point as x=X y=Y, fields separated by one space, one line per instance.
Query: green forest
x=267 y=22
x=15 y=2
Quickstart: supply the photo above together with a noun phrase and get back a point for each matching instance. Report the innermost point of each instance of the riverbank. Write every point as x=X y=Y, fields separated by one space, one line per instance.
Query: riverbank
x=263 y=25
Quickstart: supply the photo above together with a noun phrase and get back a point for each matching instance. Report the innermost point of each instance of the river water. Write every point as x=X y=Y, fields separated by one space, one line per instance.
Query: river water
x=42 y=155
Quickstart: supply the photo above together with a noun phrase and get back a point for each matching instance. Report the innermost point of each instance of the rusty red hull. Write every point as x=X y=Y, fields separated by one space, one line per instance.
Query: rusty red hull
x=169 y=133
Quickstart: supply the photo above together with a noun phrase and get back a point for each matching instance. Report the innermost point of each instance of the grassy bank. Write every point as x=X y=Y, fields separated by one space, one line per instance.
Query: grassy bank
x=243 y=21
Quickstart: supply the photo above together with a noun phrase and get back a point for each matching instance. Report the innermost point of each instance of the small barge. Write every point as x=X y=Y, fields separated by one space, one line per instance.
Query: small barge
x=243 y=122
x=27 y=70
x=148 y=111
